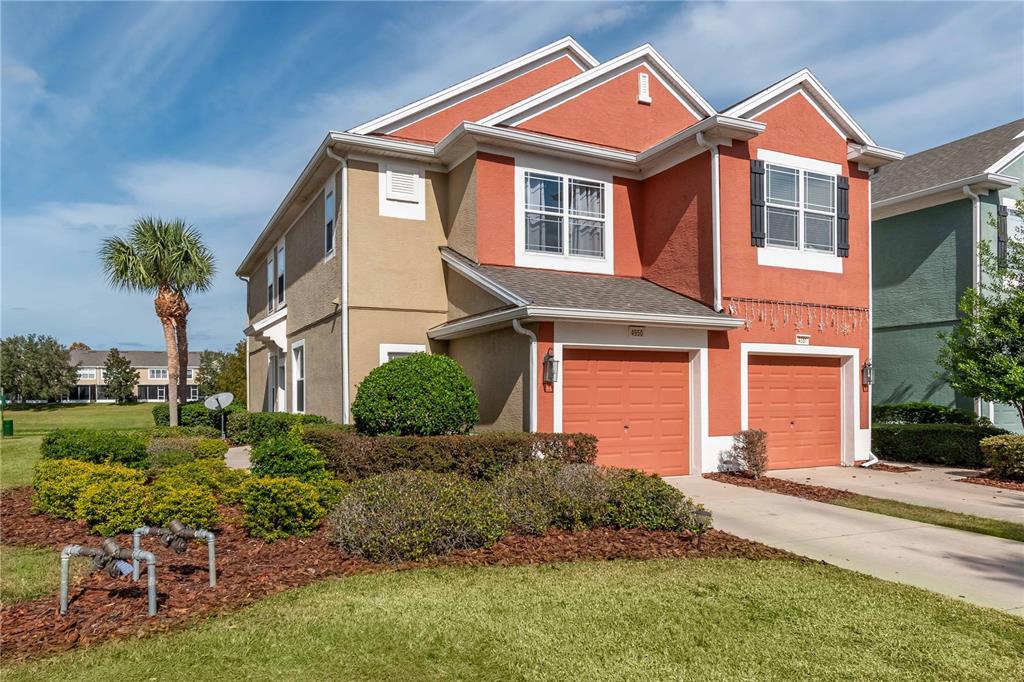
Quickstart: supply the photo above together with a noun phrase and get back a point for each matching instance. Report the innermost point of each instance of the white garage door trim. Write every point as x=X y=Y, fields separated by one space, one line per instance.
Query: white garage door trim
x=849 y=384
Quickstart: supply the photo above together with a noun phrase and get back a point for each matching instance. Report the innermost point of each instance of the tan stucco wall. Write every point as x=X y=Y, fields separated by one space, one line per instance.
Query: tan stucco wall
x=323 y=368
x=466 y=298
x=461 y=218
x=496 y=362
x=256 y=293
x=311 y=283
x=257 y=378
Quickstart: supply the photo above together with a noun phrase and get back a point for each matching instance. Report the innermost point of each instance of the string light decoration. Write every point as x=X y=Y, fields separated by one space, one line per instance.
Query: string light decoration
x=845 y=320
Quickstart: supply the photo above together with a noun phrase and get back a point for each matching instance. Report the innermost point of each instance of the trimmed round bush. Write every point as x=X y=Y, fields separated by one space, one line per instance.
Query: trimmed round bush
x=640 y=500
x=211 y=448
x=213 y=475
x=411 y=515
x=255 y=427
x=98 y=446
x=276 y=508
x=111 y=507
x=418 y=395
x=287 y=455
x=1005 y=455
x=193 y=505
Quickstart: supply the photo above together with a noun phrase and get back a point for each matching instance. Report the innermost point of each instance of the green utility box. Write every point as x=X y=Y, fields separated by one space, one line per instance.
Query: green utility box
x=8 y=428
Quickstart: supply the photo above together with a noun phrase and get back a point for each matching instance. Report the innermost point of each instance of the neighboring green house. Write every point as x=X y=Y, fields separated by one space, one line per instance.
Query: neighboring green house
x=929 y=213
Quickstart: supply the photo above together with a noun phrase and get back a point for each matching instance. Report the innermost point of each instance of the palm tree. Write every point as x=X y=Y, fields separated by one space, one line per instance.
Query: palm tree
x=168 y=259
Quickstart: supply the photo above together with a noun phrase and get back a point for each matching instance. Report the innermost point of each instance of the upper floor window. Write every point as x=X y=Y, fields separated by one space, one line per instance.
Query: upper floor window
x=275 y=278
x=189 y=373
x=329 y=213
x=564 y=215
x=157 y=373
x=801 y=209
x=279 y=265
x=86 y=373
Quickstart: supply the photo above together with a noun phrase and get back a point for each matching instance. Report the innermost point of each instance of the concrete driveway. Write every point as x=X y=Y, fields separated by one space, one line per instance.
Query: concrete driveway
x=977 y=568
x=931 y=486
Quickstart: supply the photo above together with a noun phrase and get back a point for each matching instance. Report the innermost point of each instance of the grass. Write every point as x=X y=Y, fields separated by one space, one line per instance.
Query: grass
x=938 y=517
x=29 y=573
x=716 y=619
x=19 y=454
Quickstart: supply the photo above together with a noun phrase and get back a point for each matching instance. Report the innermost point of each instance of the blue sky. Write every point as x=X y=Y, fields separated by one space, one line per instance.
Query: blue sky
x=208 y=111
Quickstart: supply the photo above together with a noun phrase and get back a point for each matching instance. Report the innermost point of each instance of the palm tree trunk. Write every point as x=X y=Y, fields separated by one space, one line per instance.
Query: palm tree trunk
x=171 y=342
x=182 y=338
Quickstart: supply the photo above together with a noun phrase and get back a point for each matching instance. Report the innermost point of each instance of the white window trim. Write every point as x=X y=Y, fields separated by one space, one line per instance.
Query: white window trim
x=271 y=282
x=280 y=289
x=161 y=392
x=386 y=348
x=161 y=373
x=397 y=208
x=85 y=373
x=295 y=378
x=554 y=261
x=799 y=259
x=331 y=186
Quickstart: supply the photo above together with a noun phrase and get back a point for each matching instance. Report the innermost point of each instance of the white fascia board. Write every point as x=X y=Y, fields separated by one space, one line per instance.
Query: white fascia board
x=631 y=317
x=543 y=143
x=721 y=126
x=431 y=102
x=383 y=145
x=529 y=106
x=764 y=100
x=872 y=156
x=458 y=328
x=1007 y=159
x=268 y=321
x=983 y=181
x=482 y=281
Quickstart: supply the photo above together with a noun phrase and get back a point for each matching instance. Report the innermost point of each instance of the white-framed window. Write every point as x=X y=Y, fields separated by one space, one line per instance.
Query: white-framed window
x=392 y=351
x=189 y=373
x=279 y=267
x=193 y=392
x=801 y=209
x=330 y=213
x=275 y=278
x=161 y=393
x=157 y=372
x=86 y=373
x=402 y=191
x=1014 y=225
x=564 y=215
x=299 y=376
x=270 y=284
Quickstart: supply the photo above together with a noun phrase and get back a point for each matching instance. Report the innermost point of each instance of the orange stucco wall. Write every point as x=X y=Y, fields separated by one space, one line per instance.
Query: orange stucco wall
x=545 y=392
x=609 y=115
x=627 y=214
x=434 y=127
x=495 y=209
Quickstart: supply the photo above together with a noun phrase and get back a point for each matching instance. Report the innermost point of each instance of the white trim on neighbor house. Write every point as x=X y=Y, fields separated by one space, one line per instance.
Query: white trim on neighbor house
x=330 y=217
x=299 y=345
x=856 y=442
x=1007 y=158
x=940 y=194
x=393 y=203
x=386 y=349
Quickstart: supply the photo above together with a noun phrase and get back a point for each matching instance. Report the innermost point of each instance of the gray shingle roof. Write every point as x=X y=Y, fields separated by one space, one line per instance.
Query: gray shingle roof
x=138 y=358
x=963 y=158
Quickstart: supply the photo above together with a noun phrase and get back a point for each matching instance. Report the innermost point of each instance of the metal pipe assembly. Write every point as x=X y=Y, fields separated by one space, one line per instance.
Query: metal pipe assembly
x=113 y=559
x=176 y=537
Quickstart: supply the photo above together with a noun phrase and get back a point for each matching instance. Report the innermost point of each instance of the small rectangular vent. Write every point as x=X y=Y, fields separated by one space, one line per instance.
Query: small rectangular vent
x=402 y=185
x=643 y=95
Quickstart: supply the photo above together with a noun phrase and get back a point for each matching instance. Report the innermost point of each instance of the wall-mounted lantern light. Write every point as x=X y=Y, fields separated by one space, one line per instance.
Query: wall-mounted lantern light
x=867 y=373
x=550 y=368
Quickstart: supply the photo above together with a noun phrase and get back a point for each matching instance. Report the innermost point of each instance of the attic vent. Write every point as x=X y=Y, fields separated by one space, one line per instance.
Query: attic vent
x=401 y=185
x=643 y=86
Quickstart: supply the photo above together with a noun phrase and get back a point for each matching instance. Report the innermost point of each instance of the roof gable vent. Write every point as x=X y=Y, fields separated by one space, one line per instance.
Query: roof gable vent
x=643 y=86
x=401 y=185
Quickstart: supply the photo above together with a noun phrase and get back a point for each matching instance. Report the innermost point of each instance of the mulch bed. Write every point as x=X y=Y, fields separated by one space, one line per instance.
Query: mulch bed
x=778 y=485
x=892 y=468
x=982 y=479
x=102 y=609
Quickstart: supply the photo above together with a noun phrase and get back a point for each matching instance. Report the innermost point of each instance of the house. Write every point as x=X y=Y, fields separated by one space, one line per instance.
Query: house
x=151 y=366
x=932 y=210
x=599 y=248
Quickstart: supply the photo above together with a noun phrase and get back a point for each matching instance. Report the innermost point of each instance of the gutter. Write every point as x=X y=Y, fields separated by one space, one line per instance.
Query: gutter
x=532 y=383
x=716 y=218
x=343 y=210
x=982 y=180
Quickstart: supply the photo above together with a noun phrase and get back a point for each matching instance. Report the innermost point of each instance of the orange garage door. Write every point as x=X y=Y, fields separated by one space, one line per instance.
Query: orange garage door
x=635 y=402
x=797 y=401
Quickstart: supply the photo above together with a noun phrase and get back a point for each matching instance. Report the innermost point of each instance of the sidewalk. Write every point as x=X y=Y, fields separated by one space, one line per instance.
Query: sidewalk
x=238 y=457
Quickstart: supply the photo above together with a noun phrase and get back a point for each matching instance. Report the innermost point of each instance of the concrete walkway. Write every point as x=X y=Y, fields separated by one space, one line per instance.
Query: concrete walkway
x=977 y=568
x=931 y=486
x=238 y=457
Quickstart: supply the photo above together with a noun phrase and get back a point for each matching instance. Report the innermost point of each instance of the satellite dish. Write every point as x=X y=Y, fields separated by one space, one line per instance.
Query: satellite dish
x=219 y=401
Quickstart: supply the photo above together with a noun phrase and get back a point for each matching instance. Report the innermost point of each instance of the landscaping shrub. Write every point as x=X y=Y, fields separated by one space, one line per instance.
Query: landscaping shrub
x=193 y=505
x=483 y=456
x=639 y=500
x=418 y=395
x=528 y=494
x=275 y=508
x=57 y=484
x=184 y=431
x=173 y=450
x=255 y=427
x=584 y=497
x=1005 y=455
x=286 y=455
x=96 y=445
x=945 y=444
x=113 y=506
x=920 y=413
x=749 y=453
x=211 y=448
x=214 y=475
x=410 y=515
x=193 y=414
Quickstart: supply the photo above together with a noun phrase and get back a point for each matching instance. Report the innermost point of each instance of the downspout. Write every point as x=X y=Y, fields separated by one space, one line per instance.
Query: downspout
x=246 y=280
x=716 y=220
x=975 y=257
x=343 y=209
x=532 y=383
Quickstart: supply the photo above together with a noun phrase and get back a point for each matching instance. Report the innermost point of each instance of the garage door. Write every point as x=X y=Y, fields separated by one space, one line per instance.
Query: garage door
x=797 y=401
x=635 y=402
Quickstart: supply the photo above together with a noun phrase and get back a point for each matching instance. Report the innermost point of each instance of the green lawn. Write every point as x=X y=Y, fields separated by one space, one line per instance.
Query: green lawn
x=935 y=516
x=28 y=573
x=19 y=454
x=714 y=619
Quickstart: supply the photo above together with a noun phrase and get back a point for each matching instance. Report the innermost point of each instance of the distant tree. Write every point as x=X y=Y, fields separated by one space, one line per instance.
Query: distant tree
x=121 y=378
x=211 y=362
x=36 y=367
x=79 y=345
x=984 y=355
x=232 y=373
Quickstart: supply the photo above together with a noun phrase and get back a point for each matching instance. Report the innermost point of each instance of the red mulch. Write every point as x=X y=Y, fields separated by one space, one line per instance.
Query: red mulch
x=892 y=468
x=982 y=479
x=778 y=485
x=102 y=609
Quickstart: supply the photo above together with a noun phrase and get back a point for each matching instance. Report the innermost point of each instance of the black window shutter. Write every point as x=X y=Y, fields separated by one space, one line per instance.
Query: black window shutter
x=757 y=217
x=843 y=216
x=1001 y=235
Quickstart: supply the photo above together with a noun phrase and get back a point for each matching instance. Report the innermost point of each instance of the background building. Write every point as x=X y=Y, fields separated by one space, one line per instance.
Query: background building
x=151 y=366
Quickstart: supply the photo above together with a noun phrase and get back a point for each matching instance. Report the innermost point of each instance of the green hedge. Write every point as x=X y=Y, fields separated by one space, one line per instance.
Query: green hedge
x=286 y=455
x=1005 y=455
x=96 y=445
x=920 y=413
x=944 y=444
x=275 y=508
x=351 y=457
x=255 y=427
x=193 y=414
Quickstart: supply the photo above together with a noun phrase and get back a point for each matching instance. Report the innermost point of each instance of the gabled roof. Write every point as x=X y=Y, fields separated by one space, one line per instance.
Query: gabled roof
x=138 y=358
x=645 y=54
x=801 y=81
x=961 y=161
x=472 y=86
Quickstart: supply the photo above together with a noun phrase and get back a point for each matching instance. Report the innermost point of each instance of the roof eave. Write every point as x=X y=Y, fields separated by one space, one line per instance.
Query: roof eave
x=869 y=156
x=980 y=182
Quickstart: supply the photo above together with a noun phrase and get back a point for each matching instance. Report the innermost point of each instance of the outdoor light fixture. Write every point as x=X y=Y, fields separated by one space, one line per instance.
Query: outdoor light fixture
x=550 y=368
x=867 y=373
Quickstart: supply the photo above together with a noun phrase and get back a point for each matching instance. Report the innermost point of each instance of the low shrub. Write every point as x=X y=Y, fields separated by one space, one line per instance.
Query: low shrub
x=255 y=427
x=174 y=450
x=1005 y=455
x=639 y=500
x=193 y=505
x=920 y=413
x=214 y=475
x=483 y=456
x=96 y=445
x=528 y=494
x=275 y=508
x=285 y=455
x=193 y=414
x=184 y=431
x=410 y=515
x=418 y=395
x=944 y=444
x=211 y=448
x=113 y=506
x=59 y=483
x=749 y=453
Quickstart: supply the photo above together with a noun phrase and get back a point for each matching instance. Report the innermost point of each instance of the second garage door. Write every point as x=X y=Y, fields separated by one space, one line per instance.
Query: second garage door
x=797 y=400
x=635 y=402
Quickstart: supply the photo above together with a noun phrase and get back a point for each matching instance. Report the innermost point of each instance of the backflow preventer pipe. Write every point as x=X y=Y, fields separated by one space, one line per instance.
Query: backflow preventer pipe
x=175 y=536
x=105 y=558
